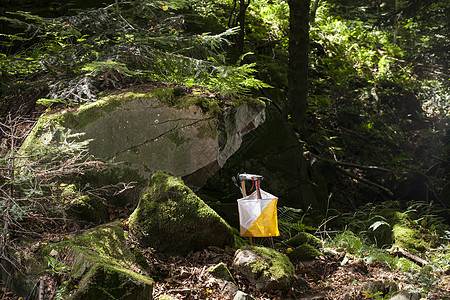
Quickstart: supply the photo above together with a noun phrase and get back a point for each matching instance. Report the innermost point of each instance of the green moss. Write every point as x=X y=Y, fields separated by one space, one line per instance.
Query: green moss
x=405 y=233
x=107 y=240
x=406 y=265
x=209 y=106
x=304 y=252
x=101 y=259
x=140 y=258
x=91 y=112
x=408 y=238
x=165 y=297
x=101 y=263
x=170 y=96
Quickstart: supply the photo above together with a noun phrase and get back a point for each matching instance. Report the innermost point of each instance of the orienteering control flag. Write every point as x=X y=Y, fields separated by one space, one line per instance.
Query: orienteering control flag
x=258 y=217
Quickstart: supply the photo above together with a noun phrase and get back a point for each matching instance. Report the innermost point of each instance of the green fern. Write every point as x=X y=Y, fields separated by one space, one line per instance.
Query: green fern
x=290 y=221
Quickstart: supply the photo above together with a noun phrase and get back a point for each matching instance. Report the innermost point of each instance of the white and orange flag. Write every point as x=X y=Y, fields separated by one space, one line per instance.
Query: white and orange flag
x=258 y=217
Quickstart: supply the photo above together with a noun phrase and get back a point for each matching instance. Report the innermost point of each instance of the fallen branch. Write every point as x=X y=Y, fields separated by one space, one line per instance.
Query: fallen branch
x=408 y=255
x=368 y=182
x=352 y=165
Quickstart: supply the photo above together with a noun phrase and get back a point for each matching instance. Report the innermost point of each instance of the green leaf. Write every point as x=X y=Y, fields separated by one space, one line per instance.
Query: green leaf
x=377 y=224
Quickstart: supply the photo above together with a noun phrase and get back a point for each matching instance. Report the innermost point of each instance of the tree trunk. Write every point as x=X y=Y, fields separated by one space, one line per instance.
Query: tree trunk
x=298 y=60
x=243 y=5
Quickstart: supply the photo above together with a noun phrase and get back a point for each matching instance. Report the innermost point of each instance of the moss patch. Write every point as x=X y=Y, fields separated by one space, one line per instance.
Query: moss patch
x=406 y=265
x=406 y=233
x=105 y=242
x=409 y=238
x=278 y=263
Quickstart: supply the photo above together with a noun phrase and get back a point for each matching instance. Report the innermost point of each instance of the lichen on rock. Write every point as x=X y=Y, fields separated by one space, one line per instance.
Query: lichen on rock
x=173 y=220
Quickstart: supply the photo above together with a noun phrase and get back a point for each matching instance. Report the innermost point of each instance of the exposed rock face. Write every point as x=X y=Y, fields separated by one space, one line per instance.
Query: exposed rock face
x=267 y=268
x=158 y=130
x=173 y=220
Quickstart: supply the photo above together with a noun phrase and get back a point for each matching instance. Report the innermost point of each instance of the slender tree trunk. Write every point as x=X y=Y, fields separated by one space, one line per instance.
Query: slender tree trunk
x=298 y=60
x=243 y=5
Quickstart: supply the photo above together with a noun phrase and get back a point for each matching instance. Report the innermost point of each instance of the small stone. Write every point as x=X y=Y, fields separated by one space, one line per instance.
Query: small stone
x=221 y=271
x=405 y=295
x=227 y=287
x=242 y=296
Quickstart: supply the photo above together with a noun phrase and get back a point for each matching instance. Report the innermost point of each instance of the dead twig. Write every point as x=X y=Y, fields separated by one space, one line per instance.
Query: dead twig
x=366 y=181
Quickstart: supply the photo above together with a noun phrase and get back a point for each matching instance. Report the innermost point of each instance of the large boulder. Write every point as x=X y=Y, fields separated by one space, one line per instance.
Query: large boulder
x=173 y=220
x=153 y=129
x=267 y=268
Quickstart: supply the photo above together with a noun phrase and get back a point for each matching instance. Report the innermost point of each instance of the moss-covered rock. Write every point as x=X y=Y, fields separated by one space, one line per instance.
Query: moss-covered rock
x=173 y=220
x=82 y=207
x=94 y=265
x=267 y=268
x=101 y=264
x=221 y=271
x=301 y=238
x=408 y=238
x=405 y=232
x=406 y=265
x=105 y=281
x=304 y=252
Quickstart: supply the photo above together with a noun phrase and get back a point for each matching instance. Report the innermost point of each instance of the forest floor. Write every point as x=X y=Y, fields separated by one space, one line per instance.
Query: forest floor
x=324 y=278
